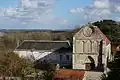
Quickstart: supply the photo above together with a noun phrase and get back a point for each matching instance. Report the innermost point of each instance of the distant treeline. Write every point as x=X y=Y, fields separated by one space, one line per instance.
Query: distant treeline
x=9 y=41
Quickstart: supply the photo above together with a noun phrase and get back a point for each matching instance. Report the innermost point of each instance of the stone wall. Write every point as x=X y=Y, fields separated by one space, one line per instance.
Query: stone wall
x=89 y=47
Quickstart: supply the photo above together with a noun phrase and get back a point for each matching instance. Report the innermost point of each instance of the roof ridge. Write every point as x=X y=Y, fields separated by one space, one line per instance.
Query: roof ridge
x=105 y=37
x=44 y=43
x=47 y=40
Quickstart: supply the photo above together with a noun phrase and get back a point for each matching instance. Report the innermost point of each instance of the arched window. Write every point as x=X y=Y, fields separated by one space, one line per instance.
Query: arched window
x=89 y=43
x=87 y=46
x=94 y=47
x=79 y=46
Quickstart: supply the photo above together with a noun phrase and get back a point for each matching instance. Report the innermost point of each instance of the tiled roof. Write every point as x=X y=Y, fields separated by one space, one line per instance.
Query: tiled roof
x=104 y=36
x=42 y=45
x=64 y=74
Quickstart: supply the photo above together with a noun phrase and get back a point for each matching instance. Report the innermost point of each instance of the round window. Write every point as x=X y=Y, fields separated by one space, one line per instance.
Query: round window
x=88 y=31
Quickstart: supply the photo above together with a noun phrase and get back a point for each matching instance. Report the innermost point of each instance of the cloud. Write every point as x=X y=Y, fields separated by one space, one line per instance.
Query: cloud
x=30 y=13
x=117 y=18
x=101 y=4
x=29 y=10
x=65 y=22
x=100 y=9
x=116 y=9
x=96 y=14
x=76 y=10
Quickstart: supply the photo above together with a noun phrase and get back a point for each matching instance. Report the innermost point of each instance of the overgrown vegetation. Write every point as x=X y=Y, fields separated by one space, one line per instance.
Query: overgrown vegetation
x=110 y=28
x=12 y=65
x=114 y=66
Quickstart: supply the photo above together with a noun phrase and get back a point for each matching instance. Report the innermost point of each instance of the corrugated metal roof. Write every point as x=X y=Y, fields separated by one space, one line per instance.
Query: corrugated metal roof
x=42 y=45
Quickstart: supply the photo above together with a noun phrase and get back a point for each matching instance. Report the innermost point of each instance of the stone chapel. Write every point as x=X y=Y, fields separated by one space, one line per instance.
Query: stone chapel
x=91 y=49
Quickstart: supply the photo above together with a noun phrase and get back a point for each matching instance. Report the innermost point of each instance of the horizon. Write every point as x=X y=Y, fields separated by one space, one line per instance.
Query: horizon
x=55 y=14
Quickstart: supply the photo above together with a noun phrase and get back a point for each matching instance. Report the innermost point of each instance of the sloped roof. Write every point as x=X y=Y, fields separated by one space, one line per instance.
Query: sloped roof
x=104 y=36
x=42 y=45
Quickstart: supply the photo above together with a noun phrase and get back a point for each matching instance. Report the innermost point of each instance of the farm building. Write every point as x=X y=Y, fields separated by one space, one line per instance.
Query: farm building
x=57 y=52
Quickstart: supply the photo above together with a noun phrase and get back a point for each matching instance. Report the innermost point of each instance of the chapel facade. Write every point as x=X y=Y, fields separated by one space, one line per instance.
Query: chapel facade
x=91 y=49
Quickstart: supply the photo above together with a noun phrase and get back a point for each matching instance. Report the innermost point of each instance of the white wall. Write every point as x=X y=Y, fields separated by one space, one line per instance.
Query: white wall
x=49 y=56
x=36 y=54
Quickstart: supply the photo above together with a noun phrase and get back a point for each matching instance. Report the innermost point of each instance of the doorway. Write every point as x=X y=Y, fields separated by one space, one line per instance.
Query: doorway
x=89 y=63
